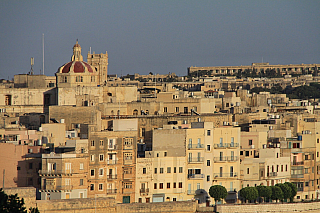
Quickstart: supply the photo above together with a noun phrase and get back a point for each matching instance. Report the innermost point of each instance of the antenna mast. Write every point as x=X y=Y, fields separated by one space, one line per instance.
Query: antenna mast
x=43 y=53
x=32 y=63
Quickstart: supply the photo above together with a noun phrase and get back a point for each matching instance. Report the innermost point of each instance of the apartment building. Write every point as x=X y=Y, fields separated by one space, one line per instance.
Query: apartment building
x=112 y=161
x=64 y=172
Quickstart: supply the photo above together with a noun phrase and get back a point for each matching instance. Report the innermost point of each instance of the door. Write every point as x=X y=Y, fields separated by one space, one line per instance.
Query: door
x=126 y=199
x=68 y=168
x=67 y=195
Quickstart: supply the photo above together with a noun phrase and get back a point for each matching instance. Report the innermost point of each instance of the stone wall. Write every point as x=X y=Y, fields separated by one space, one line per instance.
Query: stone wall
x=274 y=207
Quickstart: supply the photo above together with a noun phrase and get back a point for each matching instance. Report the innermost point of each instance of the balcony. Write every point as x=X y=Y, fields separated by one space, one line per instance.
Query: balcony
x=55 y=172
x=226 y=175
x=297 y=175
x=226 y=145
x=297 y=163
x=226 y=159
x=195 y=176
x=111 y=177
x=111 y=191
x=144 y=191
x=112 y=147
x=54 y=188
x=111 y=162
x=191 y=192
x=272 y=174
x=195 y=146
x=195 y=160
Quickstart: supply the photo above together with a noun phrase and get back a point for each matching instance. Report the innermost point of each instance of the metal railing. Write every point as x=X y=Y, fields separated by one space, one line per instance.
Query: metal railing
x=195 y=176
x=111 y=162
x=225 y=175
x=146 y=190
x=195 y=146
x=195 y=160
x=111 y=177
x=226 y=158
x=56 y=172
x=297 y=163
x=297 y=175
x=226 y=145
x=272 y=174
x=111 y=191
x=191 y=192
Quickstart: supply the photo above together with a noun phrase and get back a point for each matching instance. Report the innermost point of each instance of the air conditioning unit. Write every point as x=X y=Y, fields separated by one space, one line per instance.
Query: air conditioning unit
x=252 y=146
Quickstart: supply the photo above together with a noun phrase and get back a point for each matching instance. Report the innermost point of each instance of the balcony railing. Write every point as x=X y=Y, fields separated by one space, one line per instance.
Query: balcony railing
x=55 y=172
x=297 y=163
x=272 y=174
x=297 y=175
x=195 y=176
x=111 y=162
x=191 y=192
x=225 y=175
x=225 y=159
x=57 y=188
x=111 y=177
x=195 y=146
x=195 y=160
x=111 y=191
x=111 y=147
x=144 y=190
x=226 y=145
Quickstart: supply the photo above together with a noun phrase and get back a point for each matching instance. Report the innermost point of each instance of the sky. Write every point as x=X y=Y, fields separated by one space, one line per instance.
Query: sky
x=158 y=36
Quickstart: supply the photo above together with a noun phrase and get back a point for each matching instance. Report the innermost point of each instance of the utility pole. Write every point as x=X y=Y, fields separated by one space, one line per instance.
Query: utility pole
x=4 y=174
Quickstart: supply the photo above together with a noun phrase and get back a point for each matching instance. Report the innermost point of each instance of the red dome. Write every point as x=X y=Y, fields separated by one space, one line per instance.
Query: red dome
x=76 y=67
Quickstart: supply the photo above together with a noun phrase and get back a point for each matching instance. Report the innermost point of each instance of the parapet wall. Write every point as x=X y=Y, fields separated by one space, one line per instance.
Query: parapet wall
x=274 y=207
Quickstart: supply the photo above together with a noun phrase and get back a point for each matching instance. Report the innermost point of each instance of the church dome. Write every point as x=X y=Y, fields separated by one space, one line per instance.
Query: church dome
x=76 y=67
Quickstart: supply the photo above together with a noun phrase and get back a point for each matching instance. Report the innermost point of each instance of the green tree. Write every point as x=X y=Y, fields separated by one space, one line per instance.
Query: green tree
x=294 y=190
x=264 y=192
x=249 y=193
x=286 y=190
x=277 y=193
x=218 y=192
x=13 y=204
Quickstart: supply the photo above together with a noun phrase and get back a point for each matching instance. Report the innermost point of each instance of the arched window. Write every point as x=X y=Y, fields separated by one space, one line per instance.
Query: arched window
x=135 y=112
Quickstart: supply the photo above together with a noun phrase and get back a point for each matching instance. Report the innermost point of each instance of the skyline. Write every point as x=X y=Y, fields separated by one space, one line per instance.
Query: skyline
x=159 y=37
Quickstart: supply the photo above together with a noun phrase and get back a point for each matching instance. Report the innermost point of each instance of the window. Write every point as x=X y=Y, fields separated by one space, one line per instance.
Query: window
x=306 y=157
x=128 y=156
x=101 y=143
x=165 y=154
x=317 y=140
x=92 y=143
x=180 y=169
x=208 y=162
x=250 y=142
x=127 y=185
x=317 y=154
x=92 y=187
x=160 y=185
x=8 y=100
x=168 y=185
x=155 y=170
x=92 y=79
x=174 y=185
x=30 y=165
x=177 y=109
x=306 y=170
x=165 y=109
x=161 y=170
x=241 y=152
x=208 y=147
x=143 y=132
x=208 y=132
x=286 y=167
x=306 y=183
x=180 y=185
x=208 y=177
x=168 y=169
x=144 y=170
x=92 y=158
x=247 y=153
x=101 y=157
x=281 y=168
x=100 y=172
x=81 y=182
x=248 y=171
x=155 y=185
x=128 y=141
x=111 y=144
x=100 y=186
x=174 y=169
x=92 y=172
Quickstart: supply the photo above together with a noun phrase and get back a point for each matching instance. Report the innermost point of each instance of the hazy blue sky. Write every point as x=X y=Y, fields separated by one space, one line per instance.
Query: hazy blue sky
x=158 y=36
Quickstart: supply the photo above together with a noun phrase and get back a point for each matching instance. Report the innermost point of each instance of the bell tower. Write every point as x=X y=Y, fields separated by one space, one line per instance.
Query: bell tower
x=99 y=62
